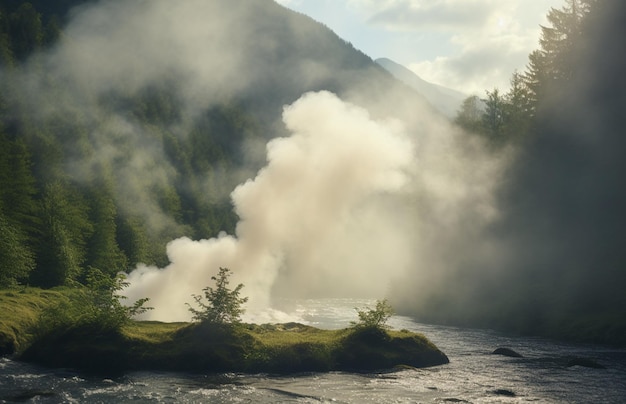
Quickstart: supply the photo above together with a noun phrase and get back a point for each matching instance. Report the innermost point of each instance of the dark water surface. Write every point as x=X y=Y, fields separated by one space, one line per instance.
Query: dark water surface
x=474 y=375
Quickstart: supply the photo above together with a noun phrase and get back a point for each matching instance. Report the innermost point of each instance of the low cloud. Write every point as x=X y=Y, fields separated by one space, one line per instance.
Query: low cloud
x=485 y=41
x=438 y=15
x=315 y=221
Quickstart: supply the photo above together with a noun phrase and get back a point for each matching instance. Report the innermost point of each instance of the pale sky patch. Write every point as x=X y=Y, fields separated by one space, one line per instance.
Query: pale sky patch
x=468 y=45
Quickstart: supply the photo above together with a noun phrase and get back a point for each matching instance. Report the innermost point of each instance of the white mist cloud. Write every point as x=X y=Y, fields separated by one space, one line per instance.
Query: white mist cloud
x=310 y=220
x=124 y=46
x=204 y=52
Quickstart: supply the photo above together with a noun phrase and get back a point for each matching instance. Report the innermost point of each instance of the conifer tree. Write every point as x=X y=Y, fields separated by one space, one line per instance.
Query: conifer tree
x=469 y=117
x=551 y=66
x=494 y=116
x=16 y=259
x=18 y=212
x=62 y=248
x=104 y=250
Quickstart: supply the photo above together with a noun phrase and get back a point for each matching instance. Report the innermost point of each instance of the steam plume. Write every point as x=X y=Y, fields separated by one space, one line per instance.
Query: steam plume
x=307 y=214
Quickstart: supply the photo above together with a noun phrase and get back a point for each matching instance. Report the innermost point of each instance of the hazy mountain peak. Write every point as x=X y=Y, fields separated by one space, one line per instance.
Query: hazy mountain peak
x=445 y=100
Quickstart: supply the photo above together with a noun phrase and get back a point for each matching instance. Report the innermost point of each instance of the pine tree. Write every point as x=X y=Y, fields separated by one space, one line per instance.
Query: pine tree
x=469 y=117
x=16 y=259
x=518 y=109
x=19 y=212
x=493 y=117
x=105 y=253
x=62 y=248
x=551 y=66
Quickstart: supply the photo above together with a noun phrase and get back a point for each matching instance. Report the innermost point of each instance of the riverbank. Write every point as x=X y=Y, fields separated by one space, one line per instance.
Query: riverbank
x=20 y=309
x=274 y=348
x=474 y=374
x=281 y=348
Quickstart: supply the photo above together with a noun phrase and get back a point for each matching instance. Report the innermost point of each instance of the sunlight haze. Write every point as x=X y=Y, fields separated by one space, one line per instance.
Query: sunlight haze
x=469 y=46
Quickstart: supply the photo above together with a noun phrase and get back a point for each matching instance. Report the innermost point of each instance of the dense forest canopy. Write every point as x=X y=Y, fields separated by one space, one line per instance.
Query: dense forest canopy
x=121 y=130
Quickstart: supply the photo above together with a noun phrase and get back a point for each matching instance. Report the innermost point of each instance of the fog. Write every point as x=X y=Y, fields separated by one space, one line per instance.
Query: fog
x=552 y=262
x=362 y=187
x=310 y=217
x=344 y=206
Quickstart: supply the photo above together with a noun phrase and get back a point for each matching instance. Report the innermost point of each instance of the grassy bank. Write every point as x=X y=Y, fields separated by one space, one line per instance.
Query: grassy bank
x=278 y=348
x=19 y=312
x=284 y=348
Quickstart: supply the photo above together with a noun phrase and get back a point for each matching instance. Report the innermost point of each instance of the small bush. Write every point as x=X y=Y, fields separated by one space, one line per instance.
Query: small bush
x=223 y=305
x=96 y=306
x=376 y=317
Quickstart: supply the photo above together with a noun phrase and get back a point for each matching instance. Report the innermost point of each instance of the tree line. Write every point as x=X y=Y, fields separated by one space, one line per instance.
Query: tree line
x=508 y=118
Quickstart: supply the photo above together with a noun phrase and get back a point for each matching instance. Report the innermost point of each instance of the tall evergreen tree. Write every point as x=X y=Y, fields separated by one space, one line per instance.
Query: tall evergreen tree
x=494 y=116
x=16 y=259
x=105 y=253
x=470 y=114
x=551 y=66
x=63 y=241
x=18 y=210
x=517 y=109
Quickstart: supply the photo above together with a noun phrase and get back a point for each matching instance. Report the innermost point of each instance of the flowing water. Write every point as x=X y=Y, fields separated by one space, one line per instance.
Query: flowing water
x=474 y=375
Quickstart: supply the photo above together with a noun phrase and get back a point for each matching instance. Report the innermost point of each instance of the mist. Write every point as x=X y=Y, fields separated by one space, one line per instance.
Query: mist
x=552 y=262
x=345 y=205
x=350 y=185
x=311 y=216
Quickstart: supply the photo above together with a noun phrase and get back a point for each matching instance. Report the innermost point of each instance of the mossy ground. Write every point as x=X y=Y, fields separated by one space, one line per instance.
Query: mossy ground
x=274 y=348
x=19 y=312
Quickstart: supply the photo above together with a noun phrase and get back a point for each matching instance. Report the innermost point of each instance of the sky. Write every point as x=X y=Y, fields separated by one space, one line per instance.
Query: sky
x=467 y=45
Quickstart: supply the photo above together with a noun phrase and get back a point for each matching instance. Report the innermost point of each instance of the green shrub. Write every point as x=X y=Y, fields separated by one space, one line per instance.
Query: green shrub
x=96 y=306
x=223 y=305
x=374 y=318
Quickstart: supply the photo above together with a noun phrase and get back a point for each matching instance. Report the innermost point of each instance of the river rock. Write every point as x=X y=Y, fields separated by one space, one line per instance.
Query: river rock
x=507 y=352
x=584 y=362
x=504 y=392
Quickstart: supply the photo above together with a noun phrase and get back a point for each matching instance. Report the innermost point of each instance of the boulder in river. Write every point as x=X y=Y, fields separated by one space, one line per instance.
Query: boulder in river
x=584 y=362
x=504 y=392
x=507 y=352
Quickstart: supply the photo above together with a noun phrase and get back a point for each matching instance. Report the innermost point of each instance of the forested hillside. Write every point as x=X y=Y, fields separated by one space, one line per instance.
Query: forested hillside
x=107 y=179
x=101 y=170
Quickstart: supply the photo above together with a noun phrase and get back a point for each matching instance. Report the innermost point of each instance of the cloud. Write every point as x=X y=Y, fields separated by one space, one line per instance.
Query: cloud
x=311 y=220
x=488 y=53
x=472 y=46
x=438 y=15
x=480 y=65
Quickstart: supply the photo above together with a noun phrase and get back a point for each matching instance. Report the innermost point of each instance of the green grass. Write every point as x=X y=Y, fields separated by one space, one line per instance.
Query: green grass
x=19 y=311
x=152 y=332
x=151 y=345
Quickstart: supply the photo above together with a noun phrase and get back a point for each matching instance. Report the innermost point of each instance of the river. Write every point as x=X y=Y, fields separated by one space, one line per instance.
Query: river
x=474 y=374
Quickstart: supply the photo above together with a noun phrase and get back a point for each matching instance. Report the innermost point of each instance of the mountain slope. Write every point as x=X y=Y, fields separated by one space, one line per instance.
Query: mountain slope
x=143 y=117
x=445 y=100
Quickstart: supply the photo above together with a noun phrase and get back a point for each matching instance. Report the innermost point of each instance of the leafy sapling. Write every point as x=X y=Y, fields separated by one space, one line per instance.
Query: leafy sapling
x=374 y=318
x=103 y=301
x=222 y=306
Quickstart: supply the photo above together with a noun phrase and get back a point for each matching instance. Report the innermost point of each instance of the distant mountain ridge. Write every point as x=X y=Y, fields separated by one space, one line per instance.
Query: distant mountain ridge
x=445 y=100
